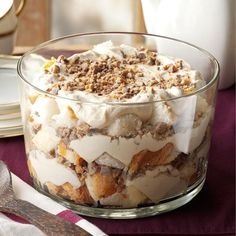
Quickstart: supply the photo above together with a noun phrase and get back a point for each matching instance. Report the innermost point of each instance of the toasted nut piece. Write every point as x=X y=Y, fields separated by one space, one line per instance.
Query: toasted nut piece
x=30 y=118
x=56 y=69
x=145 y=159
x=71 y=113
x=62 y=149
x=33 y=98
x=49 y=63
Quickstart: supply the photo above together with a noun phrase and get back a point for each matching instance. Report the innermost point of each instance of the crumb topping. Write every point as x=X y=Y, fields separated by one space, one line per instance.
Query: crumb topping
x=117 y=78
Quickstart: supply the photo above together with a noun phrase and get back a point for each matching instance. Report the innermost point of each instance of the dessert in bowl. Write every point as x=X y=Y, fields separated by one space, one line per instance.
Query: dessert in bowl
x=115 y=125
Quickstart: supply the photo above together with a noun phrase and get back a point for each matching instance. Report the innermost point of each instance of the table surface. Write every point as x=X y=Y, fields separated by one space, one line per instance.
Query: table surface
x=211 y=212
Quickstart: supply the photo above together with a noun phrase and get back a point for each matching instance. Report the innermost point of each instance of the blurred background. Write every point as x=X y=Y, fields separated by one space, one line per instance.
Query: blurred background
x=47 y=19
x=209 y=24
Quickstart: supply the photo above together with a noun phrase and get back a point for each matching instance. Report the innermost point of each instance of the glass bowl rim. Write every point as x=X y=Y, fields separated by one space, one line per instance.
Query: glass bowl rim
x=44 y=44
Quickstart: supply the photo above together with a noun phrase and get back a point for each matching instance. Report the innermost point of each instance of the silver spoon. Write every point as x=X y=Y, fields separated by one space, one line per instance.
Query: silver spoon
x=46 y=222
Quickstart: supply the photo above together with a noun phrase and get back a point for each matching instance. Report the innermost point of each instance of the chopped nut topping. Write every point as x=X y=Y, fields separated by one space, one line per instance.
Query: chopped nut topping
x=55 y=69
x=115 y=78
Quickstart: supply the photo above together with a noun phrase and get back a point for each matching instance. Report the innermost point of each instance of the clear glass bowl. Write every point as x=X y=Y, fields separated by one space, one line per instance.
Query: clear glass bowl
x=76 y=162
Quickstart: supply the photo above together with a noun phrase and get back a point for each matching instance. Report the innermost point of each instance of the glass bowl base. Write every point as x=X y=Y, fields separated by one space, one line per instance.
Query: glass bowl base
x=140 y=212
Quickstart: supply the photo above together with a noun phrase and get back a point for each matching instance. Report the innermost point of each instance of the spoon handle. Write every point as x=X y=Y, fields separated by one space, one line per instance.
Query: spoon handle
x=50 y=224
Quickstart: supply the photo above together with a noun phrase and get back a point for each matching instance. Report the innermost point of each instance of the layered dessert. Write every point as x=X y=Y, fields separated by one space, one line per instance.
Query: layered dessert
x=119 y=127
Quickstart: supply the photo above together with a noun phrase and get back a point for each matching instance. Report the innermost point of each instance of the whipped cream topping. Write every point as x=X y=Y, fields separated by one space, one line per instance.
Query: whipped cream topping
x=122 y=70
x=131 y=75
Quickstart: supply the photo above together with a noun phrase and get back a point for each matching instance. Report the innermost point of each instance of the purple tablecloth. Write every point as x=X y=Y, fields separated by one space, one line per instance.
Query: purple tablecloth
x=212 y=212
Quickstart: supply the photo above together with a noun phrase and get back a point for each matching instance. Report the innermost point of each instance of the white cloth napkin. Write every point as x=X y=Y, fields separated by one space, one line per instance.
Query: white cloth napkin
x=25 y=192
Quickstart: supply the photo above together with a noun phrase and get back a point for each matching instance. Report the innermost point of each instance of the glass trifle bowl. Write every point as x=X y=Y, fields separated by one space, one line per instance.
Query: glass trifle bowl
x=118 y=125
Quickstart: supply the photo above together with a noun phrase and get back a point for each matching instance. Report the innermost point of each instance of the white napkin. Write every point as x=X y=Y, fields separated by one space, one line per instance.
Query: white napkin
x=10 y=228
x=25 y=192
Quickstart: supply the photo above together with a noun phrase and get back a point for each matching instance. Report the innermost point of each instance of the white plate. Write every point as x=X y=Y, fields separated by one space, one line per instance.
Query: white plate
x=8 y=110
x=11 y=123
x=7 y=61
x=11 y=133
x=9 y=116
x=9 y=94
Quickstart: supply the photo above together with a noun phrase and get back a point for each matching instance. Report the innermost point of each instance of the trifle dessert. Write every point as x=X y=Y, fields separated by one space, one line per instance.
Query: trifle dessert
x=117 y=127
